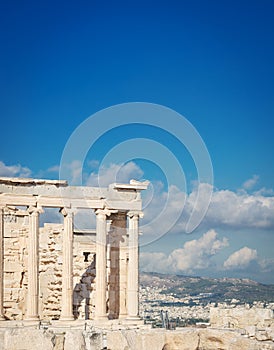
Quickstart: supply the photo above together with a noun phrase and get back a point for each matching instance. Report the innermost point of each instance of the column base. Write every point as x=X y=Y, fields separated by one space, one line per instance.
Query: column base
x=101 y=318
x=66 y=318
x=122 y=316
x=32 y=318
x=134 y=319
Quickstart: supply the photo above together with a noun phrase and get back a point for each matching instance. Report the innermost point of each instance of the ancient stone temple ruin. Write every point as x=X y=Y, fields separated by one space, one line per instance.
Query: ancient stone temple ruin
x=58 y=272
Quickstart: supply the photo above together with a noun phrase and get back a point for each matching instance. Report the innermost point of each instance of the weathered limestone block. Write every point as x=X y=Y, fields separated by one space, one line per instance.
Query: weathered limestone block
x=12 y=266
x=262 y=335
x=58 y=341
x=93 y=340
x=181 y=340
x=118 y=340
x=228 y=340
x=240 y=317
x=250 y=331
x=2 y=339
x=270 y=332
x=27 y=339
x=74 y=340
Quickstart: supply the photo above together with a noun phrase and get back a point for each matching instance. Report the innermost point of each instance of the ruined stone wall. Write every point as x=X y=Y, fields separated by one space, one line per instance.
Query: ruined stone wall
x=128 y=339
x=15 y=263
x=51 y=273
x=240 y=317
x=50 y=270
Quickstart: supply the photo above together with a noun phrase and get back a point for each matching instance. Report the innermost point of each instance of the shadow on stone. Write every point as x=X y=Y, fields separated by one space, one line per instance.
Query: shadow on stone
x=82 y=306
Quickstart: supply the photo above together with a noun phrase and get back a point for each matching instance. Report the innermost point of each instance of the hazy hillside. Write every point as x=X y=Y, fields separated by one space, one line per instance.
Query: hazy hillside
x=217 y=290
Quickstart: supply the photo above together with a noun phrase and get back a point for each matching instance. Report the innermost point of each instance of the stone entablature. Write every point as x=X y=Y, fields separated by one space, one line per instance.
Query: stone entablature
x=54 y=272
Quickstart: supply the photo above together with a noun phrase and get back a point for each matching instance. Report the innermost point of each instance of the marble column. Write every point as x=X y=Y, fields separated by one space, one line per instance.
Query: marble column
x=1 y=263
x=33 y=264
x=67 y=267
x=101 y=264
x=118 y=266
x=133 y=266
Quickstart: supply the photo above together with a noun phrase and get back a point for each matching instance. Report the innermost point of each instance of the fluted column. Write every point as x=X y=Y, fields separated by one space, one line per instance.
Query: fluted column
x=67 y=267
x=133 y=266
x=1 y=263
x=101 y=264
x=33 y=264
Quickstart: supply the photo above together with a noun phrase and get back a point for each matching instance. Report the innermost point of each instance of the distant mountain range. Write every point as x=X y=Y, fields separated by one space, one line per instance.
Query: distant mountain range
x=209 y=289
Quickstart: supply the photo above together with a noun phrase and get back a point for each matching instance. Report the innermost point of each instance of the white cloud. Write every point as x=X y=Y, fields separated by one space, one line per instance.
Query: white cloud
x=173 y=208
x=93 y=164
x=267 y=265
x=195 y=255
x=250 y=183
x=14 y=170
x=115 y=173
x=264 y=192
x=154 y=262
x=76 y=172
x=241 y=258
x=163 y=211
x=53 y=169
x=227 y=210
x=240 y=210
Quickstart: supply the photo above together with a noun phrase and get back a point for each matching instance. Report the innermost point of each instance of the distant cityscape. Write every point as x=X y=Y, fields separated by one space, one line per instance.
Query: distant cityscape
x=187 y=300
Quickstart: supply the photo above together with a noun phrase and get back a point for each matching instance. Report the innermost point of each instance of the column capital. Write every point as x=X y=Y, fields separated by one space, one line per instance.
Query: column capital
x=65 y=211
x=35 y=210
x=135 y=214
x=105 y=212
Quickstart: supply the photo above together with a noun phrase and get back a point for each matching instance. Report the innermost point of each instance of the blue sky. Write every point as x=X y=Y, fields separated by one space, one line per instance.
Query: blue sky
x=210 y=61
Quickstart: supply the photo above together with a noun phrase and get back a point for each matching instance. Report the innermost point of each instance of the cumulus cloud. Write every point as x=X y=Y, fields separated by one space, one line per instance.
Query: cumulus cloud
x=231 y=209
x=173 y=207
x=240 y=210
x=154 y=261
x=114 y=173
x=195 y=255
x=227 y=210
x=240 y=259
x=14 y=170
x=264 y=192
x=250 y=183
x=165 y=207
